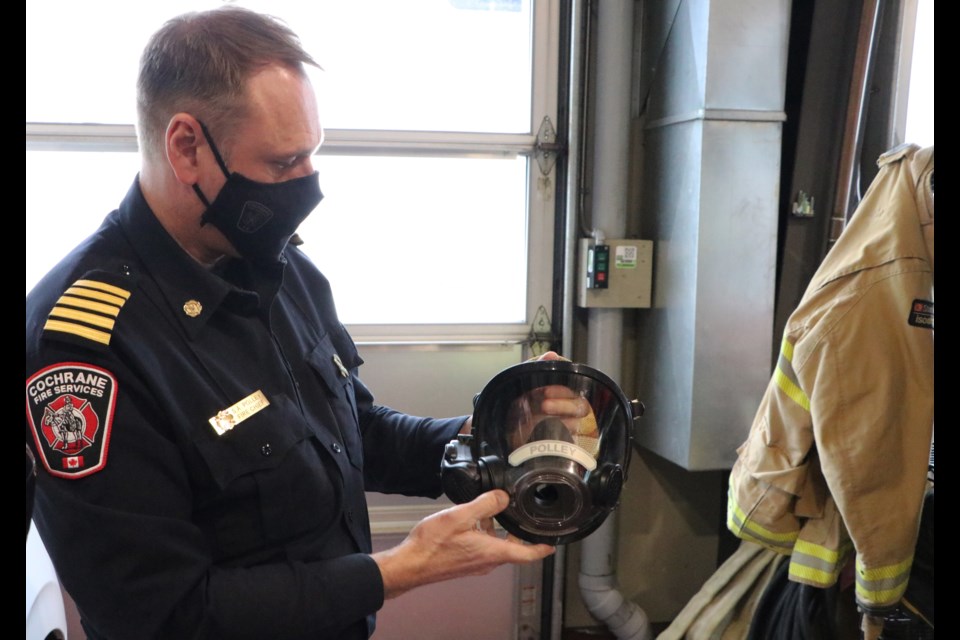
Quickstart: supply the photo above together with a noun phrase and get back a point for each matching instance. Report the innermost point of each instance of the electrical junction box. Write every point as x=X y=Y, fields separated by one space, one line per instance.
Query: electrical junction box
x=628 y=276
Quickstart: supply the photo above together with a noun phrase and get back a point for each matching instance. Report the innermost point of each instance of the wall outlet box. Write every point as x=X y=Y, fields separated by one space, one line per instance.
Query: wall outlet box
x=629 y=279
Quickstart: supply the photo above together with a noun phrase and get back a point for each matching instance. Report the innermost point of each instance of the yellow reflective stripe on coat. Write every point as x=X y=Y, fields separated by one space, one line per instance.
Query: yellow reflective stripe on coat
x=882 y=586
x=816 y=565
x=786 y=377
x=743 y=527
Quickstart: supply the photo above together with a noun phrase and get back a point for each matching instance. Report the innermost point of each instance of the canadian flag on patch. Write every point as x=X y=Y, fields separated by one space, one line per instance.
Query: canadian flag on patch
x=73 y=462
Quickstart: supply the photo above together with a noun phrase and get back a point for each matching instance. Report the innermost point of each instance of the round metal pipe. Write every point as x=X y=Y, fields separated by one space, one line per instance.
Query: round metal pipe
x=598 y=585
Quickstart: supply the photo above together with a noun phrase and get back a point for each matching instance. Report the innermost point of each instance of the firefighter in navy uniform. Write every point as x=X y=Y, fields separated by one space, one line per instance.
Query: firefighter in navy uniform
x=223 y=439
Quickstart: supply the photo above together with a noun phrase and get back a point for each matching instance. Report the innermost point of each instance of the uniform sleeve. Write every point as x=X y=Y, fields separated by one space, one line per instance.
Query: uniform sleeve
x=402 y=453
x=872 y=411
x=772 y=467
x=126 y=546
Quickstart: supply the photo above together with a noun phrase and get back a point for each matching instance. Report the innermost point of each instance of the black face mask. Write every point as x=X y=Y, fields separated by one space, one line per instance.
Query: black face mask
x=258 y=218
x=564 y=474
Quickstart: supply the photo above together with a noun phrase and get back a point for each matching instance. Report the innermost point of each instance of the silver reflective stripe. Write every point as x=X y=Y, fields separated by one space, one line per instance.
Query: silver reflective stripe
x=743 y=528
x=883 y=585
x=786 y=377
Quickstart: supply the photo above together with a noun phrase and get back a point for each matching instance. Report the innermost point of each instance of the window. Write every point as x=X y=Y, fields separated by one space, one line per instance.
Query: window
x=919 y=110
x=430 y=228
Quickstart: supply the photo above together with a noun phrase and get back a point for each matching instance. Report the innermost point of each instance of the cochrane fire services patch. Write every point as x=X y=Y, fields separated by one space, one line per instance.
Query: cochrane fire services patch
x=921 y=314
x=70 y=412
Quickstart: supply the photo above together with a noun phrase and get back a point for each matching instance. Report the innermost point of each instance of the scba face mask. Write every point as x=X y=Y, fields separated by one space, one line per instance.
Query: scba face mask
x=258 y=218
x=557 y=437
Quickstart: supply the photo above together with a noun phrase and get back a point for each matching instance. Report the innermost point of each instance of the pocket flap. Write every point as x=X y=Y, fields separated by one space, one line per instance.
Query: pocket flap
x=258 y=442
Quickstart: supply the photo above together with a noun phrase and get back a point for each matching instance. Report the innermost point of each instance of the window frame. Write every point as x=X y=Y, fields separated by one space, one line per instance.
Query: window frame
x=540 y=202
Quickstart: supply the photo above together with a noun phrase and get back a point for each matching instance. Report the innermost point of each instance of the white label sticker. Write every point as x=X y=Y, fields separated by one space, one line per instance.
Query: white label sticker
x=558 y=448
x=626 y=257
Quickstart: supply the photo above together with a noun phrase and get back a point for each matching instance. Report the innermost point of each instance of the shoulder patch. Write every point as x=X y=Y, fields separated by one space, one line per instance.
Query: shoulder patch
x=86 y=312
x=70 y=413
x=921 y=314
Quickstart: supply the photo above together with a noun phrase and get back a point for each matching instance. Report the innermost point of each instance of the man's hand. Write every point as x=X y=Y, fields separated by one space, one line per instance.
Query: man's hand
x=560 y=401
x=553 y=401
x=453 y=543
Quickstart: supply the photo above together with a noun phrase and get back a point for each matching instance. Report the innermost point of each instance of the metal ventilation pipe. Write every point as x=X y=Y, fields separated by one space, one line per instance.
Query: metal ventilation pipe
x=598 y=584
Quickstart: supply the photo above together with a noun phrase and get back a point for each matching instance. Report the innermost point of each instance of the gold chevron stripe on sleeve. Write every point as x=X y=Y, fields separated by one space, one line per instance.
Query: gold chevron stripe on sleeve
x=73 y=301
x=103 y=286
x=97 y=295
x=78 y=330
x=88 y=309
x=83 y=316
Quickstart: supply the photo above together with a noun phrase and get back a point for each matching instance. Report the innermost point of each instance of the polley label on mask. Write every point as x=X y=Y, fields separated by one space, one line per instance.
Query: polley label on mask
x=558 y=448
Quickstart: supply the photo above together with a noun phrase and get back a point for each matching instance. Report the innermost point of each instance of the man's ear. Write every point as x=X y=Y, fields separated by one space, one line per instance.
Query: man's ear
x=182 y=142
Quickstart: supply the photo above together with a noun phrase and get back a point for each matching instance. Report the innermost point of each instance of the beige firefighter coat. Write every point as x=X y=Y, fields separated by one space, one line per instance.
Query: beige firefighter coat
x=836 y=459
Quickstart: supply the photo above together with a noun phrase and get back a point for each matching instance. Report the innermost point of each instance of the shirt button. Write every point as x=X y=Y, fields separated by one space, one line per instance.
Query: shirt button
x=349 y=515
x=336 y=447
x=266 y=449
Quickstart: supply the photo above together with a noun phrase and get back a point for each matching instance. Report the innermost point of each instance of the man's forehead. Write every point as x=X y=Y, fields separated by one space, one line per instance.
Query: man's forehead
x=280 y=109
x=272 y=82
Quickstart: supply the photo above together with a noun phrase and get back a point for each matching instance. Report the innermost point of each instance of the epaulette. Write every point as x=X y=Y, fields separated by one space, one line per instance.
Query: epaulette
x=87 y=311
x=897 y=153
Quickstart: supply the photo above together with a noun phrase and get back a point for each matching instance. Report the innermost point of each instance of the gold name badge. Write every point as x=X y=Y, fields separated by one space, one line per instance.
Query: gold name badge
x=230 y=417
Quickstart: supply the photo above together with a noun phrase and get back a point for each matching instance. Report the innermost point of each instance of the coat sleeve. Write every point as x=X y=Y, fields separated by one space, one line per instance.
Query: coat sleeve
x=127 y=548
x=836 y=457
x=871 y=405
x=770 y=475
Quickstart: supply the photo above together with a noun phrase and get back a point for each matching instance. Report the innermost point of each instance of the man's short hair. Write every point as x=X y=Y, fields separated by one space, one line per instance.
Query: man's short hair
x=199 y=62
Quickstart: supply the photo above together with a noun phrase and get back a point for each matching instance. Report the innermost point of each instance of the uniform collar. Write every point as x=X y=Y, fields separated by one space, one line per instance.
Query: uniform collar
x=193 y=293
x=888 y=223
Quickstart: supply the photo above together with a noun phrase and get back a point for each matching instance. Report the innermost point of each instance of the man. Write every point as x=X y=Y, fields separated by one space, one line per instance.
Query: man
x=224 y=438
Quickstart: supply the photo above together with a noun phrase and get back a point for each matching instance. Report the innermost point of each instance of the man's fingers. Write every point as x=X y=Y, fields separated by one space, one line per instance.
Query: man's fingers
x=484 y=506
x=552 y=355
x=559 y=391
x=515 y=550
x=485 y=525
x=567 y=408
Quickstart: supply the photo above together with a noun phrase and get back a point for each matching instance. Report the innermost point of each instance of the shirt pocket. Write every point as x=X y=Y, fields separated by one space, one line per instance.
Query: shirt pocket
x=271 y=479
x=333 y=372
x=257 y=443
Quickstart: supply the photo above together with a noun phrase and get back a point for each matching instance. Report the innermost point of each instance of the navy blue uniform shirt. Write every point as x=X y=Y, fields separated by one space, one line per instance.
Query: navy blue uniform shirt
x=204 y=442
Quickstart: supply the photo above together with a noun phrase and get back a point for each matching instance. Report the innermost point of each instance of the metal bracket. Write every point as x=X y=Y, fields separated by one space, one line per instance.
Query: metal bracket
x=541 y=333
x=546 y=148
x=803 y=205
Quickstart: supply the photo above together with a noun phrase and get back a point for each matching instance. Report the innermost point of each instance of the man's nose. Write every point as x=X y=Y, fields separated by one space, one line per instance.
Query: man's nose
x=306 y=167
